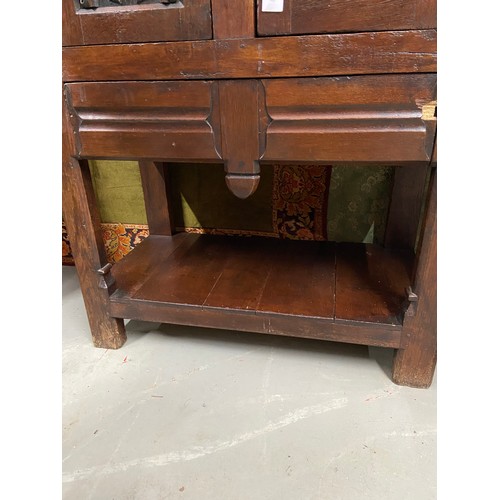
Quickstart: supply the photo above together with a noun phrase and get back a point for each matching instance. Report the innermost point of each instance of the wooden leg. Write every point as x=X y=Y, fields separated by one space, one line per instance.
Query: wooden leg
x=414 y=365
x=82 y=220
x=156 y=199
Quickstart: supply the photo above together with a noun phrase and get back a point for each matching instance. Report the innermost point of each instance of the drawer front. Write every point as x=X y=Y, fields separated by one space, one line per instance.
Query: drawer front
x=151 y=120
x=337 y=16
x=144 y=22
x=363 y=119
x=351 y=119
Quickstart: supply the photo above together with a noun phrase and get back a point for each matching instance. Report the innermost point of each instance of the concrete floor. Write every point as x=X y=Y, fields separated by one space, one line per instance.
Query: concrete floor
x=182 y=412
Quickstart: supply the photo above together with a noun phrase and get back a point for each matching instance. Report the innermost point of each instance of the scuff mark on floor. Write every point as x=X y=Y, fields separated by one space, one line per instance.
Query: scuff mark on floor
x=201 y=451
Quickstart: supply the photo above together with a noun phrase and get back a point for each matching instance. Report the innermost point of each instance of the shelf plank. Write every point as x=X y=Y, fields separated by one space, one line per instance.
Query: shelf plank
x=302 y=280
x=131 y=272
x=187 y=275
x=244 y=276
x=371 y=283
x=381 y=335
x=348 y=293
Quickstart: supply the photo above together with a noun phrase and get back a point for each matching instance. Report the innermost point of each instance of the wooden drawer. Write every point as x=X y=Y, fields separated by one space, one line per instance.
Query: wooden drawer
x=382 y=118
x=150 y=120
x=148 y=22
x=370 y=118
x=336 y=16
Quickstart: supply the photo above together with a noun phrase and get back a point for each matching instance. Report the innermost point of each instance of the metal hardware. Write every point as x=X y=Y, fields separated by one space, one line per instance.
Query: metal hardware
x=106 y=280
x=411 y=300
x=89 y=4
x=105 y=269
x=94 y=4
x=411 y=295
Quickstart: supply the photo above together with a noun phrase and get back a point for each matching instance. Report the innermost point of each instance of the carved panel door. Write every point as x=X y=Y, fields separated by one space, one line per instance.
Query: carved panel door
x=94 y=22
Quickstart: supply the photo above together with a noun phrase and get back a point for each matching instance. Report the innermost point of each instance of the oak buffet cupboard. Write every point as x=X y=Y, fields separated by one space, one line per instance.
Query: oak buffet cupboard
x=245 y=83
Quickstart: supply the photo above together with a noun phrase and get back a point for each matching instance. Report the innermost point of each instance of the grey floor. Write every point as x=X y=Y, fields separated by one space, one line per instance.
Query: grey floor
x=181 y=412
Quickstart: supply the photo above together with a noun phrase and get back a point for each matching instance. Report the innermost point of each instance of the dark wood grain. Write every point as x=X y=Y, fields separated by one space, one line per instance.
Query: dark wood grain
x=371 y=283
x=260 y=322
x=187 y=276
x=301 y=56
x=244 y=276
x=242 y=185
x=327 y=143
x=370 y=96
x=131 y=100
x=267 y=275
x=81 y=216
x=287 y=286
x=143 y=120
x=71 y=30
x=250 y=281
x=414 y=366
x=233 y=20
x=353 y=81
x=408 y=195
x=434 y=153
x=274 y=23
x=156 y=201
x=426 y=13
x=301 y=280
x=240 y=106
x=136 y=23
x=361 y=118
x=131 y=272
x=318 y=16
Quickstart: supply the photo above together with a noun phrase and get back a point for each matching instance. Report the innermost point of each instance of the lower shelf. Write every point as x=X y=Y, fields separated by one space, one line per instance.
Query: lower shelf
x=342 y=292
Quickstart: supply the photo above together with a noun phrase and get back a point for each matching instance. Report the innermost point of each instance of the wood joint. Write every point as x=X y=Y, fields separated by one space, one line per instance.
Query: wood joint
x=411 y=301
x=106 y=280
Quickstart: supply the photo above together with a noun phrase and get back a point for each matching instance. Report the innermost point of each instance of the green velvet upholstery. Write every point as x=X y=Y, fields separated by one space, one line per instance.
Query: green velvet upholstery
x=201 y=199
x=358 y=203
x=118 y=190
x=356 y=199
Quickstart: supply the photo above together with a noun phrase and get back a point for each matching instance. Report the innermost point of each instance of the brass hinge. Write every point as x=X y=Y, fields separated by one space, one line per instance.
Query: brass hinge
x=429 y=111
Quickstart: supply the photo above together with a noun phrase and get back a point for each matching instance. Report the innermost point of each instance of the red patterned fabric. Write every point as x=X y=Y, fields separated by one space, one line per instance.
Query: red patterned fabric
x=300 y=198
x=119 y=240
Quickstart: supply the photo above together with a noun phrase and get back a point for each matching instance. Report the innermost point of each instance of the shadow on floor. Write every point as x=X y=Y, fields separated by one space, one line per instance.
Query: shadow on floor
x=69 y=285
x=382 y=356
x=137 y=328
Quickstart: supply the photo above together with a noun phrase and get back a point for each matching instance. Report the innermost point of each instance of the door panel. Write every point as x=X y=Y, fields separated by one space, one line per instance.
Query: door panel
x=144 y=22
x=336 y=16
